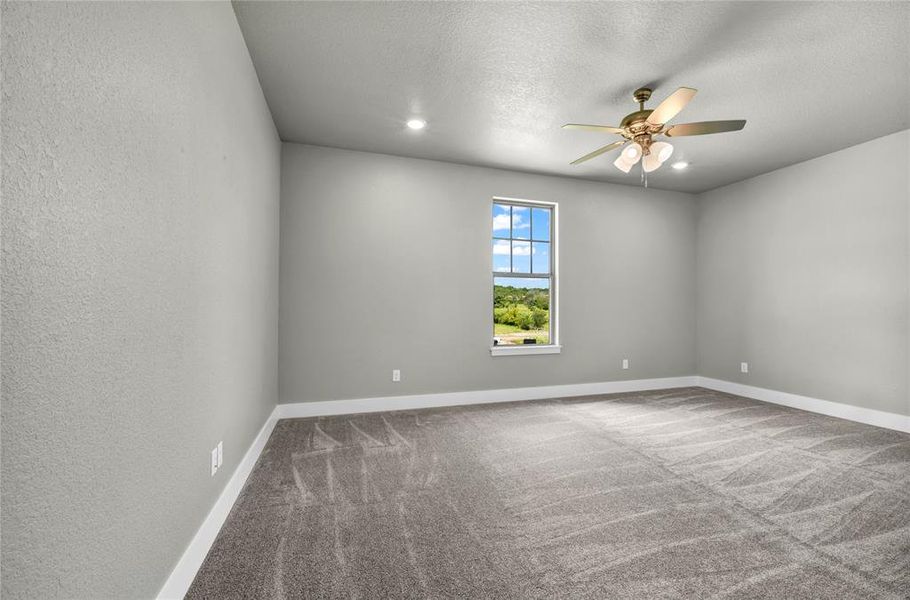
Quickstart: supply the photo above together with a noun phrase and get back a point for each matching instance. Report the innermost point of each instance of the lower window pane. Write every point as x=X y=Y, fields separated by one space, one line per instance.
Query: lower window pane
x=521 y=311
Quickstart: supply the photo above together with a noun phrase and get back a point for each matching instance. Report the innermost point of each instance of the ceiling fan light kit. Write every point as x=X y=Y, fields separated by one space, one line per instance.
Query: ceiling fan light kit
x=632 y=153
x=623 y=164
x=650 y=163
x=643 y=125
x=663 y=150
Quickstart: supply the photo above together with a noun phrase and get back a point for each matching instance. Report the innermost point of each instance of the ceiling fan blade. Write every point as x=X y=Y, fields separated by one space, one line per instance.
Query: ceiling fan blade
x=704 y=127
x=603 y=128
x=598 y=152
x=670 y=107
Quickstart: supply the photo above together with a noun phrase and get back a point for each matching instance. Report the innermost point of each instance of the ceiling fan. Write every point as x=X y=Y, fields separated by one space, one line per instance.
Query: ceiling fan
x=641 y=126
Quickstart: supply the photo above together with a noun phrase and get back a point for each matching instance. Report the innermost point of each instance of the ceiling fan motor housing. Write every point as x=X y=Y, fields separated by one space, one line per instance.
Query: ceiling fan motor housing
x=636 y=118
x=636 y=128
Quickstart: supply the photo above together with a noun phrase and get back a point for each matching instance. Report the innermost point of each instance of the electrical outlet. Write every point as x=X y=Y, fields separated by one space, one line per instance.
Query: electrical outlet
x=625 y=363
x=214 y=461
x=220 y=454
x=743 y=367
x=396 y=375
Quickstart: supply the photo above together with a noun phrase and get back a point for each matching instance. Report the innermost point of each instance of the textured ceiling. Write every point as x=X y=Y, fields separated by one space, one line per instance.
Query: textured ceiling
x=496 y=81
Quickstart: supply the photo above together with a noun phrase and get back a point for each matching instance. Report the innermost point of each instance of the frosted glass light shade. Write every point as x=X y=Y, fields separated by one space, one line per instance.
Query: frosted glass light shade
x=650 y=162
x=663 y=150
x=631 y=154
x=622 y=164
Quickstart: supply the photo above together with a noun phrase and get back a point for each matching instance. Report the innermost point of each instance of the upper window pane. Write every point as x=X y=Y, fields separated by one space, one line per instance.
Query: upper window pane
x=501 y=256
x=540 y=219
x=540 y=256
x=521 y=222
x=521 y=257
x=501 y=219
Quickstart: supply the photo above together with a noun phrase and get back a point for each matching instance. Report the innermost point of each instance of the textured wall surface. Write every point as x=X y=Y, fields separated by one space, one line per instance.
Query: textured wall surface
x=140 y=264
x=385 y=264
x=803 y=273
x=140 y=282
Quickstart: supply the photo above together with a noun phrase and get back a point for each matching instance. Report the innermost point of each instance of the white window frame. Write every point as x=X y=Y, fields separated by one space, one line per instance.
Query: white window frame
x=554 y=346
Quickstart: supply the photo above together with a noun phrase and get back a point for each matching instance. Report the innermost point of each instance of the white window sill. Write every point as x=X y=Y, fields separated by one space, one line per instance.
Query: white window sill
x=519 y=350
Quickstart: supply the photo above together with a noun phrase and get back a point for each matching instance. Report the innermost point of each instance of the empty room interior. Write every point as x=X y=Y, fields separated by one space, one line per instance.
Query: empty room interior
x=507 y=300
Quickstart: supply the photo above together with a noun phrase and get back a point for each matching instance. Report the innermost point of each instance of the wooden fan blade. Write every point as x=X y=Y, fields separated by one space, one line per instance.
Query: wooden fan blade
x=598 y=152
x=603 y=128
x=670 y=107
x=705 y=127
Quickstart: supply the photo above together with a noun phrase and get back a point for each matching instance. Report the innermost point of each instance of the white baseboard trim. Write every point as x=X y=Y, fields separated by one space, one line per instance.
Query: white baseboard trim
x=180 y=579
x=826 y=407
x=366 y=405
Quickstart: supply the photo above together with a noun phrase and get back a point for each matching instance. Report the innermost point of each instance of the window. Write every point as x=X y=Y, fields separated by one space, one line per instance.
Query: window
x=524 y=277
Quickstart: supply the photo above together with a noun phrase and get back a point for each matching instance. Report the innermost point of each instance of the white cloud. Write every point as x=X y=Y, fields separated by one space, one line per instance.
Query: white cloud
x=501 y=247
x=522 y=250
x=500 y=222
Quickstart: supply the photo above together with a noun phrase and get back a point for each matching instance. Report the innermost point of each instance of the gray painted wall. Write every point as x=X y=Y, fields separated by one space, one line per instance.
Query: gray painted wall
x=140 y=282
x=139 y=307
x=803 y=273
x=385 y=263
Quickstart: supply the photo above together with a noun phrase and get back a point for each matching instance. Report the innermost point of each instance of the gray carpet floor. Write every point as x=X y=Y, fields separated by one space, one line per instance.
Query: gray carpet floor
x=684 y=493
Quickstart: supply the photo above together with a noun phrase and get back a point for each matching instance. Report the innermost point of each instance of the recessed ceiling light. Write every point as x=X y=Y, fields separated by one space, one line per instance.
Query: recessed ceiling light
x=417 y=124
x=679 y=166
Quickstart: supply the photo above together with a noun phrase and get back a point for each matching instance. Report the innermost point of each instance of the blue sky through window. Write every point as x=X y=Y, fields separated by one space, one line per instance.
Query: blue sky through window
x=541 y=257
x=541 y=224
x=517 y=226
x=501 y=220
x=521 y=222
